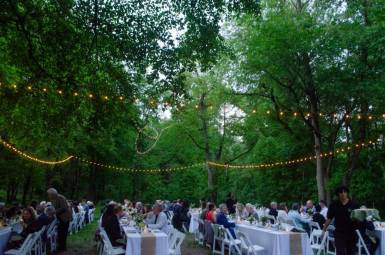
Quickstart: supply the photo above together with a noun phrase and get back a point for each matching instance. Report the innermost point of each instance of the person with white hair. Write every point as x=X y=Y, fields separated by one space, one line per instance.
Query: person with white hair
x=222 y=219
x=64 y=216
x=159 y=219
x=250 y=211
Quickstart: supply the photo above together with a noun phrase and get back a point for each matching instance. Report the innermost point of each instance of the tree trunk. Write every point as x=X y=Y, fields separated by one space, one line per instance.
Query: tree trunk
x=208 y=157
x=319 y=169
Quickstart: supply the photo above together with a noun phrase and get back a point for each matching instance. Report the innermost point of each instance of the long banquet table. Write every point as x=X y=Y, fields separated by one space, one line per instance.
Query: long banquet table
x=194 y=224
x=152 y=243
x=5 y=233
x=277 y=242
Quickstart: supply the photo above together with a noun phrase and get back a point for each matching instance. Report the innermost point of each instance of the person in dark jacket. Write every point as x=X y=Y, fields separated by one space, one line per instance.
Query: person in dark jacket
x=112 y=226
x=230 y=202
x=181 y=217
x=64 y=216
x=344 y=233
x=222 y=220
x=318 y=217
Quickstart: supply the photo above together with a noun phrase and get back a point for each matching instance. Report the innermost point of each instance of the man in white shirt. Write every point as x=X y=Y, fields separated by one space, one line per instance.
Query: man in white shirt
x=324 y=209
x=159 y=219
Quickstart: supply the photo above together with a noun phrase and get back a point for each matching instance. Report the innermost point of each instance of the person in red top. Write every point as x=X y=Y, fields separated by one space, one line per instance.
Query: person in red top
x=210 y=215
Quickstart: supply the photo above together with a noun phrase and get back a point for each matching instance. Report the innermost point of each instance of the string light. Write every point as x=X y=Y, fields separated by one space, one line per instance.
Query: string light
x=268 y=112
x=29 y=157
x=292 y=161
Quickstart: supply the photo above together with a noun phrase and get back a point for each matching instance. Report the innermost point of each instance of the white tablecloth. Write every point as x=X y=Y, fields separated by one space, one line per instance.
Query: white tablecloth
x=5 y=233
x=134 y=243
x=274 y=242
x=194 y=224
x=380 y=233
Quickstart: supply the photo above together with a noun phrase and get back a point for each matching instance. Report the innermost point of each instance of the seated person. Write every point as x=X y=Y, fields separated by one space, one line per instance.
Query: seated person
x=108 y=212
x=30 y=225
x=366 y=229
x=273 y=211
x=42 y=218
x=250 y=211
x=299 y=221
x=51 y=213
x=211 y=213
x=222 y=219
x=112 y=226
x=239 y=211
x=159 y=219
x=282 y=210
x=318 y=217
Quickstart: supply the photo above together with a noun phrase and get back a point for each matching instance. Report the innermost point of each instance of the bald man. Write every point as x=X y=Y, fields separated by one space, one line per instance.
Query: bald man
x=64 y=216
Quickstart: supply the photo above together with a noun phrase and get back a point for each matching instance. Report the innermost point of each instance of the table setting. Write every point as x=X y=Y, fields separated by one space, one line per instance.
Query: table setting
x=277 y=239
x=142 y=240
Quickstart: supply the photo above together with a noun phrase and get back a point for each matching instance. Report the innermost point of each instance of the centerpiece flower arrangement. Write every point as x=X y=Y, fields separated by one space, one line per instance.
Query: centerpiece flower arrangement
x=131 y=212
x=309 y=211
x=251 y=219
x=264 y=220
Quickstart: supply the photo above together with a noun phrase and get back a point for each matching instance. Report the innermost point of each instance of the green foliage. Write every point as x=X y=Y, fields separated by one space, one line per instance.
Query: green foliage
x=290 y=57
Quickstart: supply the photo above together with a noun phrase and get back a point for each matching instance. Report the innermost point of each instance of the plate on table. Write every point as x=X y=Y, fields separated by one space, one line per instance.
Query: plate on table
x=130 y=230
x=155 y=230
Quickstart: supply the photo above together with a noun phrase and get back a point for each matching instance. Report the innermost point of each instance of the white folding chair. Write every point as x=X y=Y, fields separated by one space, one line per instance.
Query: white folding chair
x=219 y=237
x=52 y=235
x=247 y=246
x=231 y=243
x=361 y=244
x=330 y=241
x=315 y=232
x=25 y=248
x=320 y=247
x=178 y=240
x=108 y=249
x=201 y=237
x=171 y=236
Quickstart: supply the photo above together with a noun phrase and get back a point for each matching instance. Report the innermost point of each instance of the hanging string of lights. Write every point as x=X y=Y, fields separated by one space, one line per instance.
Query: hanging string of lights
x=179 y=168
x=282 y=113
x=293 y=161
x=34 y=159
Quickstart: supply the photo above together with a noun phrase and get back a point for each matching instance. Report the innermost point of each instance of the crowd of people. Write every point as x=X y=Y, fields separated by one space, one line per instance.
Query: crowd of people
x=159 y=215
x=338 y=214
x=32 y=218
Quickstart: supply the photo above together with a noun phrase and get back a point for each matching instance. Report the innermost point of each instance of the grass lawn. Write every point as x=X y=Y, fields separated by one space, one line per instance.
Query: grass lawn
x=82 y=242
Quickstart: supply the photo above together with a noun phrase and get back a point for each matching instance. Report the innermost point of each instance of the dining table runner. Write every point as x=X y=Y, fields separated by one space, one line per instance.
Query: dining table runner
x=148 y=243
x=296 y=243
x=151 y=243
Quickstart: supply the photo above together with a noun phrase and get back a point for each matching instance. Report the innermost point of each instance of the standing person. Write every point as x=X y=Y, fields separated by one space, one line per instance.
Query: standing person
x=181 y=219
x=64 y=216
x=344 y=233
x=230 y=202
